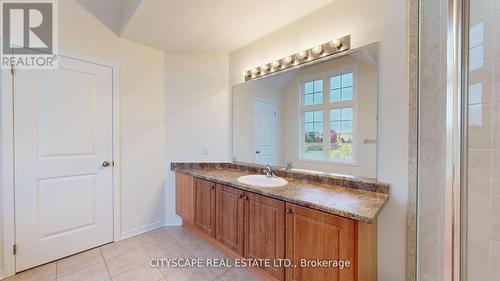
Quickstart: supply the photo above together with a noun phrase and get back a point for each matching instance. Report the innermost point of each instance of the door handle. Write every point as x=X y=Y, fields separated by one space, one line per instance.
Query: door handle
x=107 y=163
x=257 y=152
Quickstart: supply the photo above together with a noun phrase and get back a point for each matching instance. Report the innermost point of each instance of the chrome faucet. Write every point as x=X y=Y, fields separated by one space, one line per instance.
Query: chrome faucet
x=269 y=171
x=289 y=166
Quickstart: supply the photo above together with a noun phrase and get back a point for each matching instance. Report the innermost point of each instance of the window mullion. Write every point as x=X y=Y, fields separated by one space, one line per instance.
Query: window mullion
x=326 y=132
x=326 y=117
x=326 y=90
x=312 y=107
x=341 y=104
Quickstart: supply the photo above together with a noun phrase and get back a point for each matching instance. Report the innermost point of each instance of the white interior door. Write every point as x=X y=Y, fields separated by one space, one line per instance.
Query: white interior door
x=264 y=132
x=63 y=135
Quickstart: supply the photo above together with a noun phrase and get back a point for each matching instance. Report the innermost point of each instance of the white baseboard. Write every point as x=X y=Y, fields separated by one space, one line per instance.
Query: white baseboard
x=150 y=227
x=141 y=230
x=1 y=275
x=173 y=222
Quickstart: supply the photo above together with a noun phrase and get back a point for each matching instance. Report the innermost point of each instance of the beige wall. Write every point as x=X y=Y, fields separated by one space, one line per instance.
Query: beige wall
x=197 y=112
x=142 y=111
x=384 y=21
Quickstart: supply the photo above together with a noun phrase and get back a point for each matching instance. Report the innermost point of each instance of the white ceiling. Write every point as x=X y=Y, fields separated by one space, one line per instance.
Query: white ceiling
x=200 y=25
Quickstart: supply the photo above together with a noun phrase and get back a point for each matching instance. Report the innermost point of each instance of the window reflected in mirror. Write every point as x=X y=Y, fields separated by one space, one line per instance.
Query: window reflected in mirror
x=322 y=117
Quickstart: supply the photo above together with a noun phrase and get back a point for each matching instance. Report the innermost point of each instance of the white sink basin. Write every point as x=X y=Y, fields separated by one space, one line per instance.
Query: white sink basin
x=262 y=181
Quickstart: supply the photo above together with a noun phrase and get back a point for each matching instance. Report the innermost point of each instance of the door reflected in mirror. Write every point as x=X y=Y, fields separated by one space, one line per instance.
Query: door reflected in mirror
x=321 y=117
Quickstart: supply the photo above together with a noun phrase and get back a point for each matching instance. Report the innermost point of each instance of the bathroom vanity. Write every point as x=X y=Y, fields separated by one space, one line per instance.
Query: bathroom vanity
x=314 y=118
x=313 y=218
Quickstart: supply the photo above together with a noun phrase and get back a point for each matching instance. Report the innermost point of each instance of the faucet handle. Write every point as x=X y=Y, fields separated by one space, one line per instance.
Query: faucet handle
x=268 y=171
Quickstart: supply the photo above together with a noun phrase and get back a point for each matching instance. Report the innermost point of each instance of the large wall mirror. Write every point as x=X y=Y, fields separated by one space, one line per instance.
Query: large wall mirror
x=321 y=117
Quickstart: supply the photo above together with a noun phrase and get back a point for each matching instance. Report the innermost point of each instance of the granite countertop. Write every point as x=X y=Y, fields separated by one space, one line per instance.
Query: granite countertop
x=351 y=203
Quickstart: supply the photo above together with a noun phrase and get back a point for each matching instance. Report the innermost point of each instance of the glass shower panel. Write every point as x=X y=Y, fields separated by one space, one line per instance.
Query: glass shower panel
x=483 y=188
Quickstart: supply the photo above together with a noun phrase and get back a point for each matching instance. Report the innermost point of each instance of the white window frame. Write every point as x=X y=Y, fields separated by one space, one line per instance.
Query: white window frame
x=326 y=106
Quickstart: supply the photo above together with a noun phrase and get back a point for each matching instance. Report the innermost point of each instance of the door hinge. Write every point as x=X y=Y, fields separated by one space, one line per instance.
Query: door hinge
x=14 y=249
x=12 y=70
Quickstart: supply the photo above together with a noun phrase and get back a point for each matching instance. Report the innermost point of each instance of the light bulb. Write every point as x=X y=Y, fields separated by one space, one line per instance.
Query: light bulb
x=264 y=67
x=336 y=44
x=302 y=55
x=288 y=60
x=276 y=63
x=317 y=50
x=255 y=71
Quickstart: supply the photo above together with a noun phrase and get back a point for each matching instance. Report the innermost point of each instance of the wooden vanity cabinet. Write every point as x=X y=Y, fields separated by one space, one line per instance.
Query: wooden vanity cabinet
x=265 y=231
x=312 y=235
x=251 y=225
x=229 y=217
x=254 y=226
x=204 y=206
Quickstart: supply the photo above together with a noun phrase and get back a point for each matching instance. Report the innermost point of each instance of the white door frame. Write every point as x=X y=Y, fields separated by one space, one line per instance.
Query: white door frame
x=7 y=159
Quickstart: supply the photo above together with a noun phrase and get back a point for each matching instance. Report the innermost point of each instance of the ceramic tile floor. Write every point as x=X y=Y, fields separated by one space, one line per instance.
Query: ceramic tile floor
x=128 y=260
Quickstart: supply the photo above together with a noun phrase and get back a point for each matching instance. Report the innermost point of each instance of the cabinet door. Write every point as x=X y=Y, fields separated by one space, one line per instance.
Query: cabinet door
x=204 y=207
x=312 y=235
x=265 y=230
x=229 y=214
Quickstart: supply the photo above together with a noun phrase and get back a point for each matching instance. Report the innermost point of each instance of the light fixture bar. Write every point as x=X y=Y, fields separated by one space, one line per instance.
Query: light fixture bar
x=306 y=56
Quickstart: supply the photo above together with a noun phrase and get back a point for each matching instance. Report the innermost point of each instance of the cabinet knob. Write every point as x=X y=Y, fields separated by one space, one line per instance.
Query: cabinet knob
x=212 y=187
x=288 y=210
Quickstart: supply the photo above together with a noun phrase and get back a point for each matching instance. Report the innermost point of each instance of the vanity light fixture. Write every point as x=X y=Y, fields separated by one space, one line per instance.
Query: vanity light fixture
x=306 y=56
